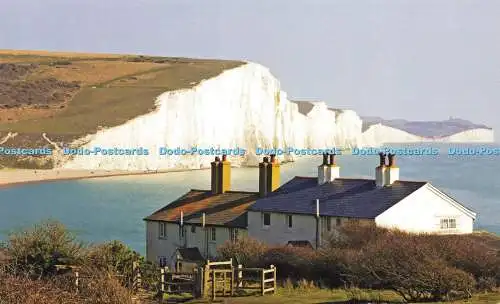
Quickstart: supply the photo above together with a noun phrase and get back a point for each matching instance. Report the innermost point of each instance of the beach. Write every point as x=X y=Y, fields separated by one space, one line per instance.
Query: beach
x=10 y=177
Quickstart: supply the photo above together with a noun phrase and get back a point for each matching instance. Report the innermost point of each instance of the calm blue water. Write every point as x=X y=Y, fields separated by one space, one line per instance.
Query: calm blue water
x=113 y=208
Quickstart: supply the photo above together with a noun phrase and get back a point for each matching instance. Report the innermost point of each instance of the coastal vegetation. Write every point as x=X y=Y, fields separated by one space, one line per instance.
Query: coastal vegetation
x=417 y=267
x=38 y=265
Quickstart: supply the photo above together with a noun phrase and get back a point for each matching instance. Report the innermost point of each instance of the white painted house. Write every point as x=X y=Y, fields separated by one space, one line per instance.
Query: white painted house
x=301 y=211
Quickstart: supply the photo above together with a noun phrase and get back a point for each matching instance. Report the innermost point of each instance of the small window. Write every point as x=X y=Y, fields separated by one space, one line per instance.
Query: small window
x=193 y=229
x=162 y=260
x=338 y=222
x=234 y=234
x=448 y=223
x=328 y=223
x=163 y=230
x=266 y=219
x=213 y=234
x=289 y=221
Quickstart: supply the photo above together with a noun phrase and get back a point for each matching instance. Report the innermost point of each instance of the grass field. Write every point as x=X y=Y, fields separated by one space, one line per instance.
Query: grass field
x=323 y=296
x=113 y=88
x=70 y=95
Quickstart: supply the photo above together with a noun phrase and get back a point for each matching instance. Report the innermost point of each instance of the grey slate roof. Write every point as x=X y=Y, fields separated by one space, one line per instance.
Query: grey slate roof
x=190 y=254
x=354 y=198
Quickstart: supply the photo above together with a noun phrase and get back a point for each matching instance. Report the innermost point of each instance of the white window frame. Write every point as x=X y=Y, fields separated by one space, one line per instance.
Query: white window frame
x=234 y=235
x=264 y=221
x=162 y=230
x=446 y=223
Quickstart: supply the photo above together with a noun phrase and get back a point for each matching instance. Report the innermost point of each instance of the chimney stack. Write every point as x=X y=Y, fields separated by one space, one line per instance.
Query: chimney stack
x=226 y=174
x=328 y=171
x=220 y=175
x=380 y=175
x=269 y=175
x=263 y=171
x=333 y=168
x=392 y=171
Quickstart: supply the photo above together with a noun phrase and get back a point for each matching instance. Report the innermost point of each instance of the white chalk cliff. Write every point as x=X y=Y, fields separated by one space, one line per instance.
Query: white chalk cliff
x=243 y=107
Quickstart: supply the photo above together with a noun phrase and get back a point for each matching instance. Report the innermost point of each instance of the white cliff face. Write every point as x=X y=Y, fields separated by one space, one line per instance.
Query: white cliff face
x=471 y=136
x=242 y=107
x=379 y=134
x=349 y=127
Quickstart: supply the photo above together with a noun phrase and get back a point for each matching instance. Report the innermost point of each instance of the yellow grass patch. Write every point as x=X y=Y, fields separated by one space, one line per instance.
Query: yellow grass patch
x=93 y=72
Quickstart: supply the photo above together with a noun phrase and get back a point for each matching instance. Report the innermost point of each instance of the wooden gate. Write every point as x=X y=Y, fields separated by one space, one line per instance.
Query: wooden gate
x=218 y=279
x=261 y=279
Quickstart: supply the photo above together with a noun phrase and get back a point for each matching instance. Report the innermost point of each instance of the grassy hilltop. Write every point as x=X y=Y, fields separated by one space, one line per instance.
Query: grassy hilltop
x=70 y=95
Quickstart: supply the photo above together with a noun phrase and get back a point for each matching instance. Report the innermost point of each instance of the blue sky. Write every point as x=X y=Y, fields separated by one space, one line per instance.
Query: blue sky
x=419 y=60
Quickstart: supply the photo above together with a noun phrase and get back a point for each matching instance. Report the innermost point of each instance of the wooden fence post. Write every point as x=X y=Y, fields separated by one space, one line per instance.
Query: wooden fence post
x=231 y=282
x=240 y=276
x=162 y=281
x=169 y=277
x=206 y=278
x=213 y=284
x=262 y=279
x=77 y=281
x=274 y=276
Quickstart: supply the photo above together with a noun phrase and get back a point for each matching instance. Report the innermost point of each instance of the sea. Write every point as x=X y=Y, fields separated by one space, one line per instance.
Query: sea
x=113 y=208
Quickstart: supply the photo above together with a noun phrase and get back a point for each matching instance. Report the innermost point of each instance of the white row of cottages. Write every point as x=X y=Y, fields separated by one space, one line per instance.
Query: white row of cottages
x=300 y=212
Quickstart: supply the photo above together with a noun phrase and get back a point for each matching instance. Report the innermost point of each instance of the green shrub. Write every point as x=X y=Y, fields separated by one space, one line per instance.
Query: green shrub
x=114 y=257
x=37 y=250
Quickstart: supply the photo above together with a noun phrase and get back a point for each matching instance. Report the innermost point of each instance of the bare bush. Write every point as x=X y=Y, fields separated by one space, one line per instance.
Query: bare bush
x=247 y=251
x=23 y=290
x=418 y=267
x=96 y=287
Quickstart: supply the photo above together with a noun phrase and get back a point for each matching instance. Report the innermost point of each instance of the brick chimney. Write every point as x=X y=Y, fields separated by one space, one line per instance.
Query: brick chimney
x=392 y=171
x=380 y=175
x=220 y=175
x=269 y=175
